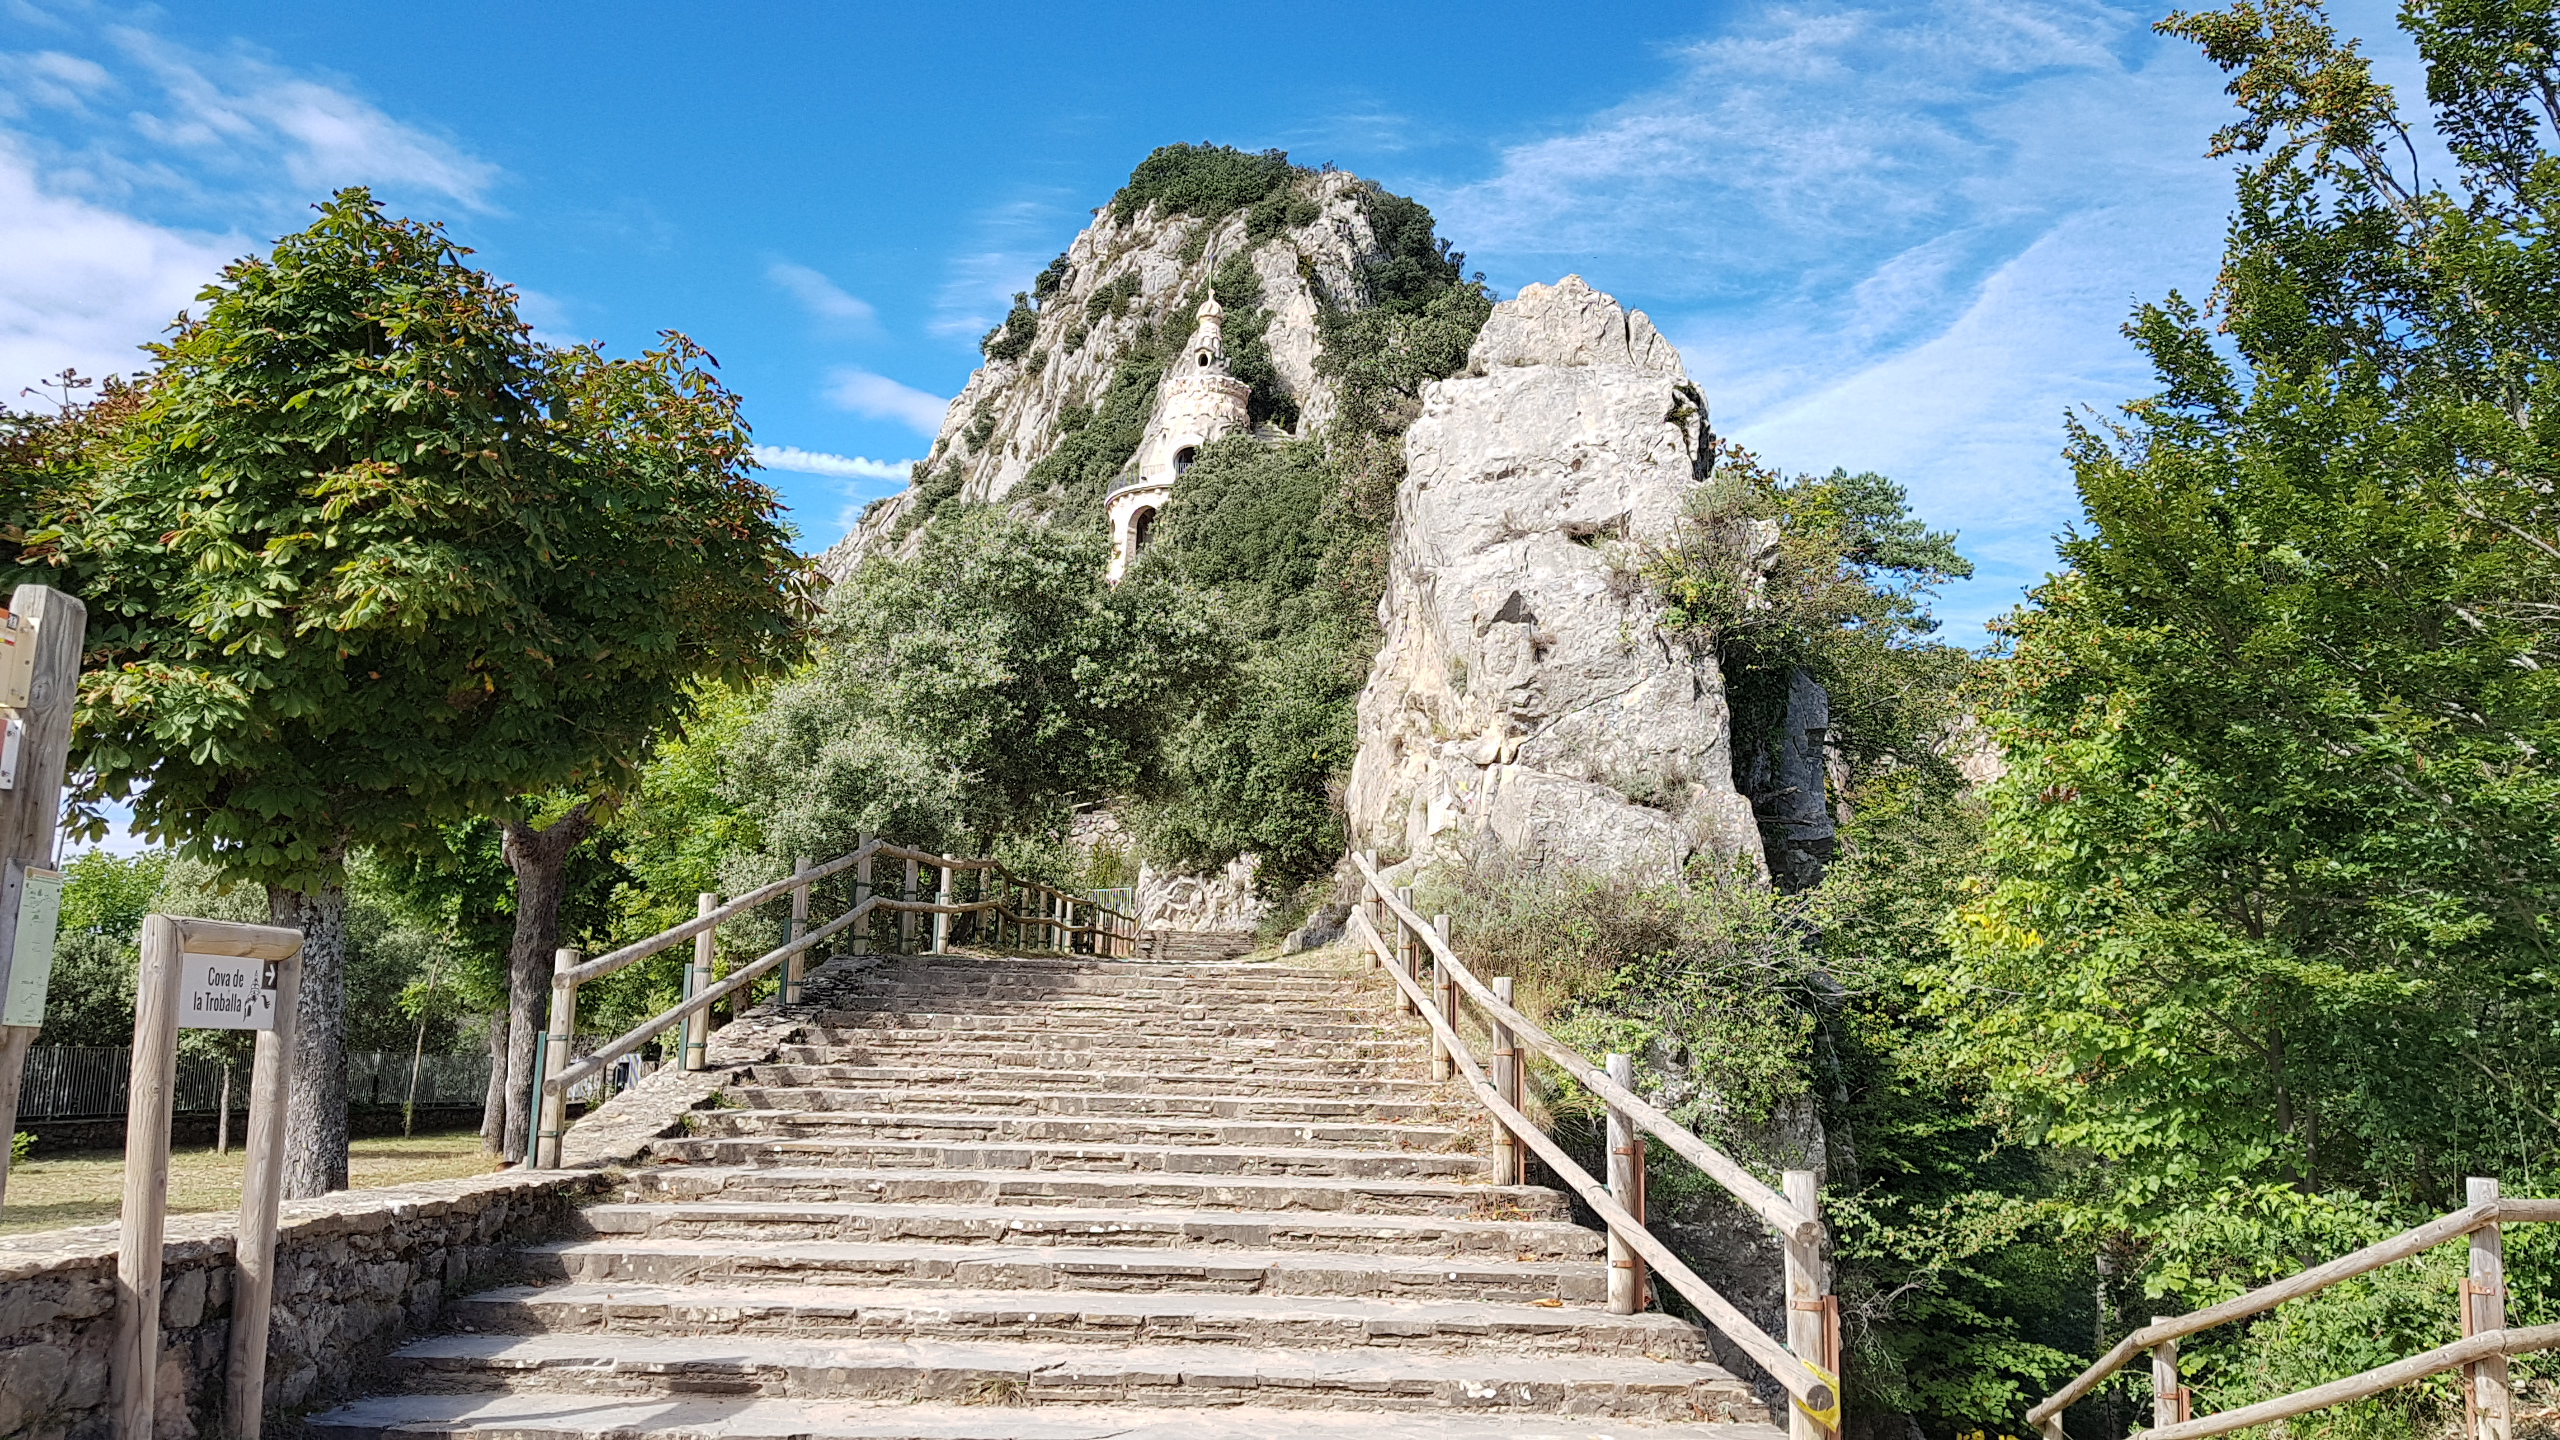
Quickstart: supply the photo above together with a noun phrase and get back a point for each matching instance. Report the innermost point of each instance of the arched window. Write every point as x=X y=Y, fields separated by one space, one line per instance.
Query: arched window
x=1204 y=359
x=1141 y=525
x=1182 y=459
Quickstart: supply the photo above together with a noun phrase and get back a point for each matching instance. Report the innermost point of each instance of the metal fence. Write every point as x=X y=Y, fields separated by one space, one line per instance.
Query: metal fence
x=82 y=1083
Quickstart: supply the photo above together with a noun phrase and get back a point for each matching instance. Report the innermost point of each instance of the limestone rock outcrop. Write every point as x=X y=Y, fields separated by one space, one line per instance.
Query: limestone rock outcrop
x=1147 y=272
x=1526 y=693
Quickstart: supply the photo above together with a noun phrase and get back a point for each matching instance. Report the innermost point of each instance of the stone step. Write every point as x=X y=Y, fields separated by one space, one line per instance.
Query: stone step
x=920 y=1079
x=1080 y=984
x=1123 y=1051
x=965 y=1128
x=788 y=1223
x=728 y=1264
x=501 y=1416
x=1329 y=1105
x=1345 y=1041
x=1588 y=1387
x=1033 y=1155
x=1079 y=1015
x=810 y=1312
x=924 y=968
x=1069 y=1192
x=1161 y=1030
x=1403 y=1063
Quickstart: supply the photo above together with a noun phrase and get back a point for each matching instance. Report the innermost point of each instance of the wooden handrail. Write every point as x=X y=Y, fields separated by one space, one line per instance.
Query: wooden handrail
x=551 y=1089
x=2488 y=1344
x=1763 y=1201
x=1790 y=1372
x=2293 y=1287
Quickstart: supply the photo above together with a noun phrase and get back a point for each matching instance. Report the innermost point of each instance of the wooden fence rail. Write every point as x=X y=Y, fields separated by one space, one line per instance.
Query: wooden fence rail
x=1042 y=916
x=2486 y=1344
x=1807 y=1367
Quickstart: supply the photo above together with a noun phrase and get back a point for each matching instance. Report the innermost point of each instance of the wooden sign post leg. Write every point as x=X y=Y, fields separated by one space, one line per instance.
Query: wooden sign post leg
x=30 y=809
x=135 y=1361
x=253 y=1285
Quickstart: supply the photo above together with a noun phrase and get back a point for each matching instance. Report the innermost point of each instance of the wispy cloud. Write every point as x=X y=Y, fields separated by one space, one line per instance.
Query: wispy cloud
x=1891 y=236
x=878 y=397
x=130 y=164
x=139 y=115
x=841 y=467
x=824 y=299
x=85 y=285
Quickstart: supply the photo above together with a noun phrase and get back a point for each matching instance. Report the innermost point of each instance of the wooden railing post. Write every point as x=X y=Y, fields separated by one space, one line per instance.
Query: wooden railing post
x=1444 y=997
x=1510 y=1156
x=1813 y=1317
x=942 y=918
x=861 y=892
x=2168 y=1397
x=907 y=918
x=551 y=1106
x=2491 y=1390
x=697 y=1026
x=1452 y=994
x=792 y=968
x=1626 y=1186
x=1406 y=944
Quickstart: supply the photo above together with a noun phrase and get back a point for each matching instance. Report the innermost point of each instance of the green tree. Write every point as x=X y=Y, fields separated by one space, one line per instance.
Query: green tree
x=362 y=559
x=987 y=687
x=2269 y=929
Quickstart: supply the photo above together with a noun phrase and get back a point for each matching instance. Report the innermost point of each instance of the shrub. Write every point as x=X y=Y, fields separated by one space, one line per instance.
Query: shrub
x=1010 y=340
x=1211 y=181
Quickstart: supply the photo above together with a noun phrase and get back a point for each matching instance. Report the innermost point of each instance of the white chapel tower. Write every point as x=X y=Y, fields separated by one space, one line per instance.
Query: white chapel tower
x=1196 y=402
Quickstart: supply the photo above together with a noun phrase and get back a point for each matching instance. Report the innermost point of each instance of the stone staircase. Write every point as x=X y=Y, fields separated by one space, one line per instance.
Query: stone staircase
x=1194 y=946
x=1009 y=1198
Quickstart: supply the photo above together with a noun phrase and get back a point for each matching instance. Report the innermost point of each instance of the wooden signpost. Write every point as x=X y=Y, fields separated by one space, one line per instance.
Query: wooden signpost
x=203 y=975
x=40 y=640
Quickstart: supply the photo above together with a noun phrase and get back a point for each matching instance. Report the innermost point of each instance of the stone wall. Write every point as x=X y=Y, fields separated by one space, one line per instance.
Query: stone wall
x=358 y=1273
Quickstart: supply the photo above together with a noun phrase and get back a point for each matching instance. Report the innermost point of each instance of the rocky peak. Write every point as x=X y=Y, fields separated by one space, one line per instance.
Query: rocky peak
x=1104 y=325
x=1526 y=693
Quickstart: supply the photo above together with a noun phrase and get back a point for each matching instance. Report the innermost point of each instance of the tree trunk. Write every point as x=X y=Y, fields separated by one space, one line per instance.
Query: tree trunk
x=540 y=859
x=493 y=1109
x=315 y=1151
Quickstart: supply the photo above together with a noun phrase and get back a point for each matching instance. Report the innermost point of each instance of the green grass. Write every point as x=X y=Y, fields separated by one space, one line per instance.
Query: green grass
x=86 y=1187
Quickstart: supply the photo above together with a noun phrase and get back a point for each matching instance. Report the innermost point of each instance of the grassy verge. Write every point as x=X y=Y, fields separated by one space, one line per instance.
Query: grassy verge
x=86 y=1187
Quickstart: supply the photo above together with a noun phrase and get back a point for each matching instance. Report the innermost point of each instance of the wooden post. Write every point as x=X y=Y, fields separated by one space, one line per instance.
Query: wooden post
x=1441 y=1067
x=31 y=809
x=697 y=1026
x=793 y=968
x=1452 y=995
x=1405 y=946
x=1510 y=1156
x=907 y=918
x=222 y=1117
x=135 y=1361
x=253 y=1283
x=2168 y=1397
x=1373 y=910
x=551 y=1113
x=1626 y=1186
x=1810 y=1316
x=941 y=918
x=862 y=892
x=2484 y=1307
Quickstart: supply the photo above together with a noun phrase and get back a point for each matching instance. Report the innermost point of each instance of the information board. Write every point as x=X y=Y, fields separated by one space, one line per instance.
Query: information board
x=31 y=952
x=226 y=992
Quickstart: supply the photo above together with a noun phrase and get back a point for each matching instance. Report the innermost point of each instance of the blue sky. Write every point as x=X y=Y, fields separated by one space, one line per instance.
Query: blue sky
x=1892 y=236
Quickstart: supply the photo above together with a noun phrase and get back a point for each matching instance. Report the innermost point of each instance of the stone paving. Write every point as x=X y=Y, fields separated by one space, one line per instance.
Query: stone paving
x=976 y=1197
